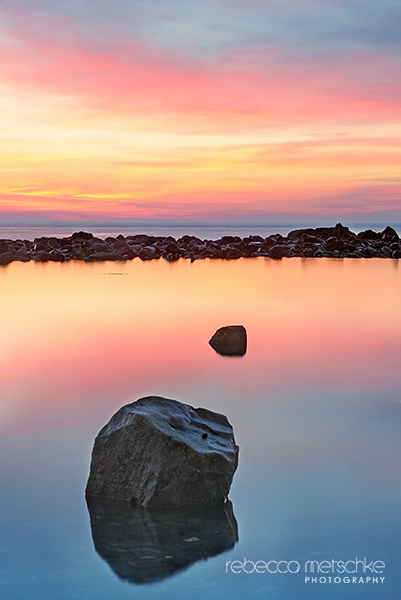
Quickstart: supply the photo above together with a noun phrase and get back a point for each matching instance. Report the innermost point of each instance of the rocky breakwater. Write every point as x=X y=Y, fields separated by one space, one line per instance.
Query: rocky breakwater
x=330 y=242
x=158 y=452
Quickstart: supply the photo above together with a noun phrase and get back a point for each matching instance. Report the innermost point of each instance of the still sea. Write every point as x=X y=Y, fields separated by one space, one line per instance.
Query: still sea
x=174 y=229
x=315 y=404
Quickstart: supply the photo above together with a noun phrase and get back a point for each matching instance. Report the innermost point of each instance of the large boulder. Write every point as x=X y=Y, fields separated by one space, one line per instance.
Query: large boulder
x=230 y=340
x=160 y=452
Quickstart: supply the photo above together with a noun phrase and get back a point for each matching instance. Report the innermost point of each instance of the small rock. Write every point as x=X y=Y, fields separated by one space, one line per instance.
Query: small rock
x=369 y=234
x=149 y=253
x=277 y=252
x=390 y=231
x=230 y=340
x=81 y=235
x=6 y=258
x=232 y=253
x=341 y=231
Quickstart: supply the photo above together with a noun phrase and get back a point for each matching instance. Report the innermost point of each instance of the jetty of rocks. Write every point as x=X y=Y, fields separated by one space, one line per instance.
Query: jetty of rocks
x=330 y=242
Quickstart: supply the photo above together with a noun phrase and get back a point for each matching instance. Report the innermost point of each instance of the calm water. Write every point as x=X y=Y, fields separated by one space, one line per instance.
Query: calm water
x=315 y=405
x=177 y=230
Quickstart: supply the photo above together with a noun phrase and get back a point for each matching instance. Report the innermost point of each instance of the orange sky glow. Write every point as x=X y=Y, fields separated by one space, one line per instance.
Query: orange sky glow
x=100 y=121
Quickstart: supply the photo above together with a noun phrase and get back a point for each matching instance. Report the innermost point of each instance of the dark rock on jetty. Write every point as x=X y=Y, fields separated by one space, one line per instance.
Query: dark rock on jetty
x=160 y=452
x=331 y=242
x=230 y=340
x=147 y=545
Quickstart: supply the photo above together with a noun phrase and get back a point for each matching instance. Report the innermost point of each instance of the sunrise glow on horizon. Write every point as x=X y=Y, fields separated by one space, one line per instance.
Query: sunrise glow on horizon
x=215 y=111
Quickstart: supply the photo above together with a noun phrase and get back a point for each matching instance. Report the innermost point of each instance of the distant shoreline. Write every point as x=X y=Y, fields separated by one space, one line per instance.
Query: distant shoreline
x=319 y=242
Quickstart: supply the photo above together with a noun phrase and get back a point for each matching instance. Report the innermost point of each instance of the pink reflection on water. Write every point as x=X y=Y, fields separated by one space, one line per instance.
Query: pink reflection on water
x=80 y=338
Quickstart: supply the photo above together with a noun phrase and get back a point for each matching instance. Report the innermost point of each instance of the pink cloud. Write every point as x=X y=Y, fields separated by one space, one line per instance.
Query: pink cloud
x=252 y=87
x=328 y=202
x=331 y=169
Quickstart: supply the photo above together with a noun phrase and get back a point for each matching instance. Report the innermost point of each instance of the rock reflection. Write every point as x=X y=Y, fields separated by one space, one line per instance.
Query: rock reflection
x=145 y=546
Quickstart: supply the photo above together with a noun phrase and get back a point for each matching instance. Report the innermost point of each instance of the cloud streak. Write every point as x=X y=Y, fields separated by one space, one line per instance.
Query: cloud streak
x=284 y=111
x=132 y=76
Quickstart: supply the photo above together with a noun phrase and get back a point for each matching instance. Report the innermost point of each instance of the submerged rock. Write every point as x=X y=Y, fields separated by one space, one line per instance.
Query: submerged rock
x=147 y=545
x=160 y=452
x=230 y=340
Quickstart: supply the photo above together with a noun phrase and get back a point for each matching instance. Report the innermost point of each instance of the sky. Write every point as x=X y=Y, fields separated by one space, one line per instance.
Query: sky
x=216 y=110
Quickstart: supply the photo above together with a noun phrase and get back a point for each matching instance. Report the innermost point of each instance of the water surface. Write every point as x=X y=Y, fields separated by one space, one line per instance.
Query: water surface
x=176 y=229
x=315 y=404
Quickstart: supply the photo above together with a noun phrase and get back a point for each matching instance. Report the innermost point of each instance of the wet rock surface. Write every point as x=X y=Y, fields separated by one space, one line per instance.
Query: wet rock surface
x=230 y=340
x=330 y=242
x=160 y=452
x=148 y=545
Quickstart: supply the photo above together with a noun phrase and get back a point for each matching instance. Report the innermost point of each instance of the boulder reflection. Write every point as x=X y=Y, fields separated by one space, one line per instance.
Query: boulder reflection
x=144 y=546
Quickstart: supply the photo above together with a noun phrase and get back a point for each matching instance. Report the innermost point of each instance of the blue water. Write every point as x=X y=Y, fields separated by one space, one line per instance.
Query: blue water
x=203 y=231
x=315 y=405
